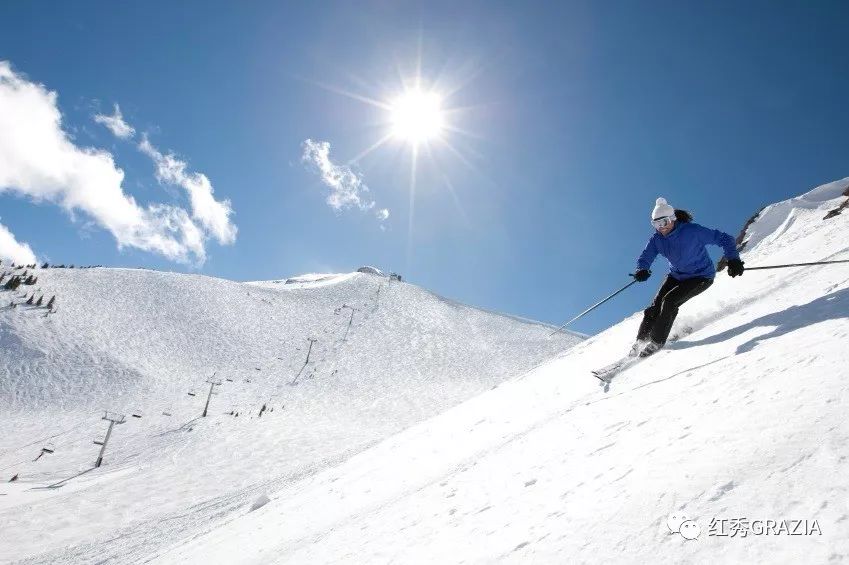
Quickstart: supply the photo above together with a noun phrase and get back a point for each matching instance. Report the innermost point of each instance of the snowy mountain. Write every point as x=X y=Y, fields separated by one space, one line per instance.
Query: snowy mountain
x=144 y=344
x=740 y=425
x=773 y=221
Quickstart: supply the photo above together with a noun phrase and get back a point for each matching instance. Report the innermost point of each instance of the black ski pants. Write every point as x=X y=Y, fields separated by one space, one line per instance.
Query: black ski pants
x=659 y=316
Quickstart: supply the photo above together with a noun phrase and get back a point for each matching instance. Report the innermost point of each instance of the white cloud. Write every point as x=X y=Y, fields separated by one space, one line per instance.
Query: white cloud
x=116 y=124
x=13 y=250
x=213 y=215
x=347 y=188
x=38 y=160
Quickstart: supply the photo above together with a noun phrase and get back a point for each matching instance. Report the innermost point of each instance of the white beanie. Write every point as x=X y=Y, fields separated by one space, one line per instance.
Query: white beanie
x=662 y=209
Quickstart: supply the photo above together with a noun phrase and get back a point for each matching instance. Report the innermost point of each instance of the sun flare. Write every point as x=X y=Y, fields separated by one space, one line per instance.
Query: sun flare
x=417 y=116
x=419 y=112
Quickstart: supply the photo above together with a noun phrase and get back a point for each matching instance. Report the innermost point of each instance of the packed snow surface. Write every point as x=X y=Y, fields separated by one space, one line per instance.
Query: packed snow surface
x=141 y=343
x=741 y=421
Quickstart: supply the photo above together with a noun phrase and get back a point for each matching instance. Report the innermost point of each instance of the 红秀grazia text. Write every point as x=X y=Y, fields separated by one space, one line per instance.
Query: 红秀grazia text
x=742 y=527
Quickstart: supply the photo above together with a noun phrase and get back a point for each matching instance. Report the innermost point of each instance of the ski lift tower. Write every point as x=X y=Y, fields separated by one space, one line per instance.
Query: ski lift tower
x=113 y=418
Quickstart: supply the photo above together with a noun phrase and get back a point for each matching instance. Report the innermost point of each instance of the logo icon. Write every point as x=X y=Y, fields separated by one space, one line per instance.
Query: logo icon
x=678 y=523
x=690 y=529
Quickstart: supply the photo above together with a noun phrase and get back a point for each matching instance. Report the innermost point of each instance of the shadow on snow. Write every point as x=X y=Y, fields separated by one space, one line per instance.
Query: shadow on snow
x=832 y=306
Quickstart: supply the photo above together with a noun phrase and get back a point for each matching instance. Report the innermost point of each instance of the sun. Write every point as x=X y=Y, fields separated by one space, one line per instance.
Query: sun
x=421 y=113
x=417 y=116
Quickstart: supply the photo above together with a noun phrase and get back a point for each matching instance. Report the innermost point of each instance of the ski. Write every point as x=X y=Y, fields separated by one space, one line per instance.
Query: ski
x=605 y=374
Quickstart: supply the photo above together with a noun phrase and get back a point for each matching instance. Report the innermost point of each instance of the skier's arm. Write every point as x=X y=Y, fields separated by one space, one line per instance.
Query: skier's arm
x=646 y=258
x=720 y=239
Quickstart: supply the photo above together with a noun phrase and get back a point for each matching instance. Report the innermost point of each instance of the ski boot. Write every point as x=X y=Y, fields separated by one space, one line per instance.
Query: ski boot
x=651 y=348
x=637 y=347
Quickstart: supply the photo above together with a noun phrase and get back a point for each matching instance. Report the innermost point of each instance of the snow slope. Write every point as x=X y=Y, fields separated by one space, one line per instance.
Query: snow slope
x=774 y=220
x=387 y=355
x=743 y=418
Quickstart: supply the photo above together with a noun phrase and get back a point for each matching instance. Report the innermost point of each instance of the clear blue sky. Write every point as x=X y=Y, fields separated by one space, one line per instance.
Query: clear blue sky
x=575 y=117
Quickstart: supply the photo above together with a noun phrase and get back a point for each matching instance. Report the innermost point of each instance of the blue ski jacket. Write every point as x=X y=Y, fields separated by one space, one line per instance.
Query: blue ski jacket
x=684 y=247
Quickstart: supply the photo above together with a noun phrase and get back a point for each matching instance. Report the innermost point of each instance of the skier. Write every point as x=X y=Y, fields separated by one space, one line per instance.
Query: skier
x=683 y=243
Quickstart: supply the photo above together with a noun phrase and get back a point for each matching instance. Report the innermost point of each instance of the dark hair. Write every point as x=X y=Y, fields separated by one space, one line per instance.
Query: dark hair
x=683 y=216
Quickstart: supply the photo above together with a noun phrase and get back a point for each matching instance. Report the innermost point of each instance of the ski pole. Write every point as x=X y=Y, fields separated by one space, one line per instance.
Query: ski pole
x=593 y=307
x=798 y=265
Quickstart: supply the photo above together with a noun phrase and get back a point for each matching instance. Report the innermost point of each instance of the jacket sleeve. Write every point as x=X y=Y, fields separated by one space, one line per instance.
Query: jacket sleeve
x=646 y=258
x=720 y=239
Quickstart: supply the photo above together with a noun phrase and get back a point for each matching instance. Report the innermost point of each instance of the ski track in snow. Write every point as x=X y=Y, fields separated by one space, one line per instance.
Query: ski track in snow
x=744 y=417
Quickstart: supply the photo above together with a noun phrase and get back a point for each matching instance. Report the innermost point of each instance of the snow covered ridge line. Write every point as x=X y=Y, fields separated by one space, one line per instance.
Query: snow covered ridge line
x=305 y=278
x=314 y=280
x=772 y=220
x=309 y=278
x=505 y=315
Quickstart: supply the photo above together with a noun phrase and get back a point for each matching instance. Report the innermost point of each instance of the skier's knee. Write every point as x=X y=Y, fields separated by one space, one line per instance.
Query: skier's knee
x=668 y=308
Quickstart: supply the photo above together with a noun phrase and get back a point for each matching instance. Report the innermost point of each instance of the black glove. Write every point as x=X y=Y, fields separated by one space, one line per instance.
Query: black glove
x=642 y=275
x=735 y=267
